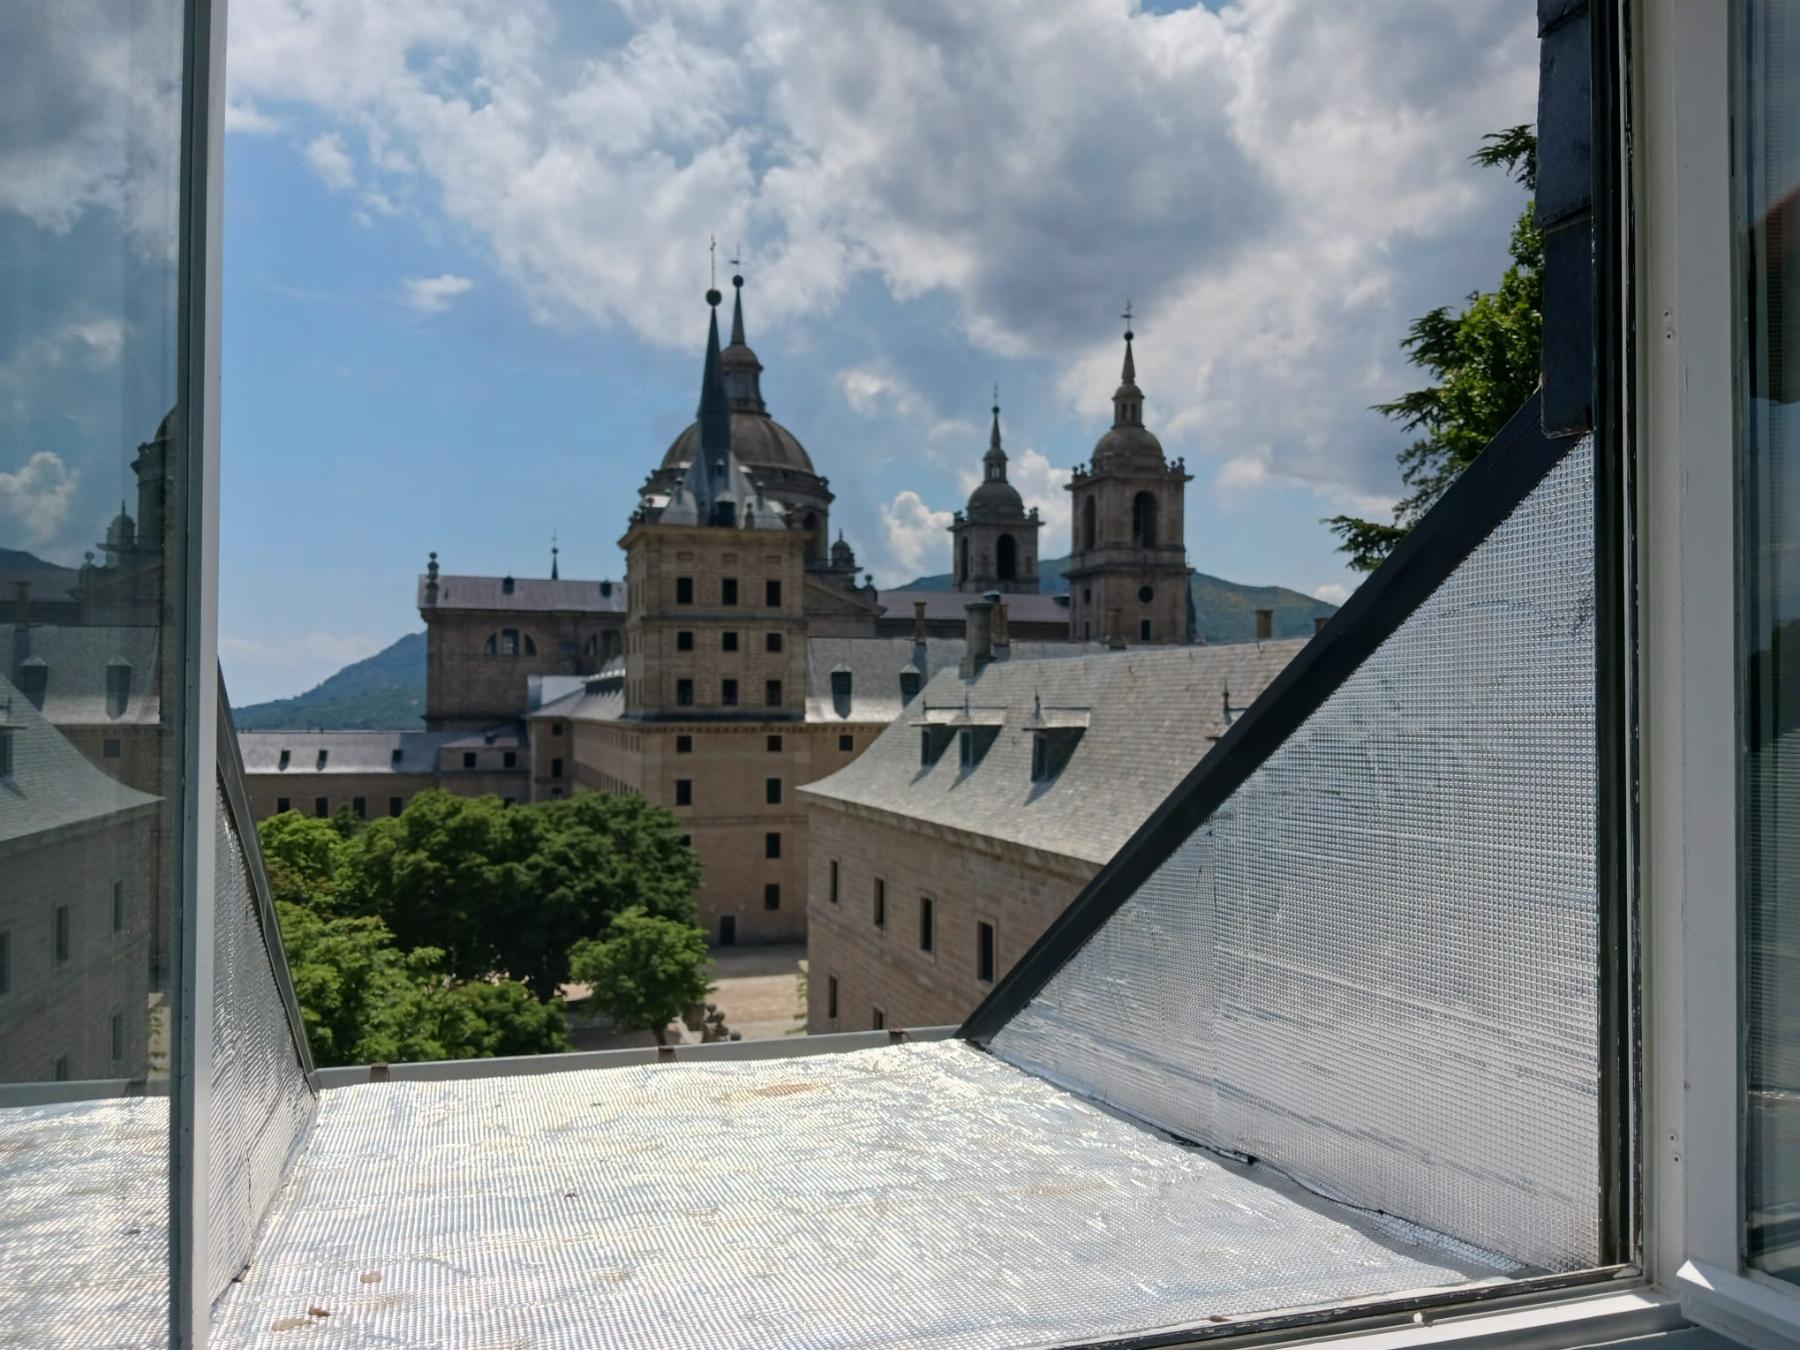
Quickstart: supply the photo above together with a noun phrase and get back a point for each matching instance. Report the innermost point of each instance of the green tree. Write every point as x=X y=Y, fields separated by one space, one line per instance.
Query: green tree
x=510 y=890
x=301 y=855
x=645 y=970
x=1483 y=362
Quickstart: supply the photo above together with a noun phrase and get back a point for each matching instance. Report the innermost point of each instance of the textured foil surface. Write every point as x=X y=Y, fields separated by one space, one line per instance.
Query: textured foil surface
x=1375 y=967
x=260 y=1103
x=923 y=1195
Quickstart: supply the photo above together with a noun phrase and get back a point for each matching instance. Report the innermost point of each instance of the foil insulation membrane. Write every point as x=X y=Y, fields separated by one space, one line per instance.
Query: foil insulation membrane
x=918 y=1195
x=260 y=1102
x=1375 y=966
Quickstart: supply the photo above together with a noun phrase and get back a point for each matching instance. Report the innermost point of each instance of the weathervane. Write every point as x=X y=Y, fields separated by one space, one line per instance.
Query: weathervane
x=1127 y=315
x=712 y=261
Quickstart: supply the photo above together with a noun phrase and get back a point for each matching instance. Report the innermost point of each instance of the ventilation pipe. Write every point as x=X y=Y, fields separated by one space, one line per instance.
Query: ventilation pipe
x=1002 y=635
x=1265 y=624
x=918 y=621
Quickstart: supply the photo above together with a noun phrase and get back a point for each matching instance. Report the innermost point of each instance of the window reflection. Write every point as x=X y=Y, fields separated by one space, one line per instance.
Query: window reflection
x=90 y=443
x=1769 y=657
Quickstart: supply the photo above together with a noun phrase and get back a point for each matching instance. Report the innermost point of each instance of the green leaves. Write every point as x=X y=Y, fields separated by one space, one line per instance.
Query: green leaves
x=645 y=970
x=1483 y=362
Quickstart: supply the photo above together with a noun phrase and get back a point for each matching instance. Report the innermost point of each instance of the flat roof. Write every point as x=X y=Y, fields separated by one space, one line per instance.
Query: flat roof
x=921 y=1194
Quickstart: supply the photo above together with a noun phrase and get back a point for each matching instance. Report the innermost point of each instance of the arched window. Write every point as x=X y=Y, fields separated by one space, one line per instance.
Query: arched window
x=1143 y=520
x=1006 y=558
x=962 y=559
x=1087 y=523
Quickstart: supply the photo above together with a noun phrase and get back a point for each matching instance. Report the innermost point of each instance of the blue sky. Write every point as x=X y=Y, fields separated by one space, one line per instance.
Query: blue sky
x=466 y=246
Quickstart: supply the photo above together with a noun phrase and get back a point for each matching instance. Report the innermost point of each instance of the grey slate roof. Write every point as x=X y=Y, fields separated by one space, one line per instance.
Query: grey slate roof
x=346 y=751
x=75 y=692
x=1152 y=715
x=941 y=605
x=600 y=698
x=52 y=784
x=874 y=666
x=529 y=595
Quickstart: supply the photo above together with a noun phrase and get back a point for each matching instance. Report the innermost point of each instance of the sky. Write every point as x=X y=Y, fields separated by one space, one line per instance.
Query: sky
x=466 y=246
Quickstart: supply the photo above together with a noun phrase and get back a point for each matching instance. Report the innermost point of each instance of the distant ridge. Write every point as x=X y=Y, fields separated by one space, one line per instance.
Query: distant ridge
x=383 y=692
x=1226 y=609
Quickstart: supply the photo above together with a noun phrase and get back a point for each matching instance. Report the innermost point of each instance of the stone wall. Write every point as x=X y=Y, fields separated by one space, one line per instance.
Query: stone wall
x=969 y=879
x=467 y=689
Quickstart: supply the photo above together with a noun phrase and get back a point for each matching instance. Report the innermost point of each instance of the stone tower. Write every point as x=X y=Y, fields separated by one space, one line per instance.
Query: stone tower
x=1128 y=572
x=996 y=539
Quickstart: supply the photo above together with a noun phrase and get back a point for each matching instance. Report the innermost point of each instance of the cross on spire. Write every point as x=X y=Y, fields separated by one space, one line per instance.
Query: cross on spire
x=1127 y=314
x=712 y=262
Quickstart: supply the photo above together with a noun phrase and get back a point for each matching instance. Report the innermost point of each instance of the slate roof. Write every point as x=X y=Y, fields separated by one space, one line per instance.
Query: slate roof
x=601 y=698
x=874 y=665
x=1152 y=715
x=75 y=692
x=529 y=595
x=52 y=784
x=347 y=751
x=941 y=605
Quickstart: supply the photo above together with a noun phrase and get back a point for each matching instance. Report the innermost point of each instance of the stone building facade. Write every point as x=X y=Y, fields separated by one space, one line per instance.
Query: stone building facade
x=944 y=851
x=1128 y=572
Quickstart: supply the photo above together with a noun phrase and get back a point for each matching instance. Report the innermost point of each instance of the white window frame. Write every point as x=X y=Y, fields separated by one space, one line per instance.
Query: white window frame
x=1686 y=416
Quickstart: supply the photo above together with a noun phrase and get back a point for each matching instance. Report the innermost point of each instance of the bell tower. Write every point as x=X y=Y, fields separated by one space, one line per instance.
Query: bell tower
x=995 y=542
x=1128 y=572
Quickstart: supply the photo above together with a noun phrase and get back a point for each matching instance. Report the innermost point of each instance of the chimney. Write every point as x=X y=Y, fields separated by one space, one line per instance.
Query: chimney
x=918 y=621
x=1002 y=635
x=1265 y=624
x=431 y=581
x=979 y=636
x=22 y=629
x=1115 y=634
x=23 y=616
x=1319 y=622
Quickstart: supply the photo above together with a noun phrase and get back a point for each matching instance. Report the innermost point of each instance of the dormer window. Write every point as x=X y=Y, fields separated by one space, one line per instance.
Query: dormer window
x=973 y=743
x=118 y=688
x=1050 y=750
x=323 y=756
x=34 y=680
x=6 y=752
x=933 y=740
x=287 y=757
x=394 y=759
x=910 y=680
x=506 y=585
x=841 y=683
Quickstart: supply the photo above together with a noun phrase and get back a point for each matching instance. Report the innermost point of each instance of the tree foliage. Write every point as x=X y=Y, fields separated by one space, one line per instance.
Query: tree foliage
x=445 y=932
x=510 y=890
x=645 y=970
x=1483 y=361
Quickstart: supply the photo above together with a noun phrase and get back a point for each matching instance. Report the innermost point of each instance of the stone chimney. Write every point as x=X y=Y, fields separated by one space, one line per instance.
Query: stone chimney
x=22 y=615
x=1319 y=622
x=431 y=581
x=918 y=621
x=1115 y=632
x=1002 y=635
x=1265 y=624
x=979 y=636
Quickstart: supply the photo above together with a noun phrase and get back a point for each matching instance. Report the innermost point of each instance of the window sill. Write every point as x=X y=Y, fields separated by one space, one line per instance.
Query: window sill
x=1740 y=1306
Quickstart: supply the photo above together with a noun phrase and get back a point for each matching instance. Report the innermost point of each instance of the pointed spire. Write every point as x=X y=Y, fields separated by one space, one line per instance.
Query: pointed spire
x=715 y=409
x=743 y=372
x=1128 y=399
x=994 y=461
x=994 y=435
x=555 y=575
x=737 y=311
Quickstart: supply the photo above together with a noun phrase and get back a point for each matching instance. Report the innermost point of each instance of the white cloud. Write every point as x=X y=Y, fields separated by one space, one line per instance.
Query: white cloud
x=872 y=393
x=327 y=157
x=1332 y=592
x=258 y=669
x=250 y=120
x=432 y=295
x=94 y=343
x=1283 y=185
x=38 y=495
x=915 y=540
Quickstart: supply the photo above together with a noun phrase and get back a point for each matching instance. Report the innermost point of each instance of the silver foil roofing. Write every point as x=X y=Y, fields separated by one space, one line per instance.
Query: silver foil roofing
x=1375 y=965
x=920 y=1195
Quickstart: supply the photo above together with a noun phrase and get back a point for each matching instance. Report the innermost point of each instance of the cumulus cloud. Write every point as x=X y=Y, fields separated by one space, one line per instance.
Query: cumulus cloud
x=249 y=119
x=1332 y=592
x=37 y=496
x=914 y=540
x=432 y=295
x=1282 y=185
x=89 y=344
x=327 y=157
x=872 y=393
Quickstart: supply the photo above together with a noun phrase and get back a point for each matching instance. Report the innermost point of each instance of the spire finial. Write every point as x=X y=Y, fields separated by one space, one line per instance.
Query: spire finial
x=737 y=304
x=555 y=575
x=994 y=435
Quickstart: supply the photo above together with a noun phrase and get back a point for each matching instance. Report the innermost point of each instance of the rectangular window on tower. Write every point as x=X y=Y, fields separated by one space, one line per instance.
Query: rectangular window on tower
x=728 y=591
x=772 y=594
x=684 y=590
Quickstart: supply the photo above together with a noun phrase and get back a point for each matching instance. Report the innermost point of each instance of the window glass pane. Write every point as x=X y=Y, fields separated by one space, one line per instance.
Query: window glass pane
x=91 y=530
x=1769 y=633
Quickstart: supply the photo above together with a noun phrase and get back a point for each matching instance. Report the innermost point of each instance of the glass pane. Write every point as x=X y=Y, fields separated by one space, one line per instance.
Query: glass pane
x=90 y=672
x=1769 y=636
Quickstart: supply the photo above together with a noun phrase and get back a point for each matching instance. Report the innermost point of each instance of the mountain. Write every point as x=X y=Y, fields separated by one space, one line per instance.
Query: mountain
x=1226 y=609
x=17 y=560
x=383 y=692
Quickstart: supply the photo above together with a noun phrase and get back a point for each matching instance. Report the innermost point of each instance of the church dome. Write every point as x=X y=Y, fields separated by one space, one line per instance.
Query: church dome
x=1129 y=447
x=758 y=440
x=121 y=533
x=996 y=499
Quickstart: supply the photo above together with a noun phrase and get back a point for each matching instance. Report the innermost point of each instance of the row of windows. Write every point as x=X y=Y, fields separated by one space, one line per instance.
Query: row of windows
x=1143 y=521
x=62 y=935
x=60 y=1068
x=34 y=683
x=1050 y=750
x=728 y=693
x=728 y=591
x=684 y=745
x=984 y=931
x=728 y=640
x=684 y=791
